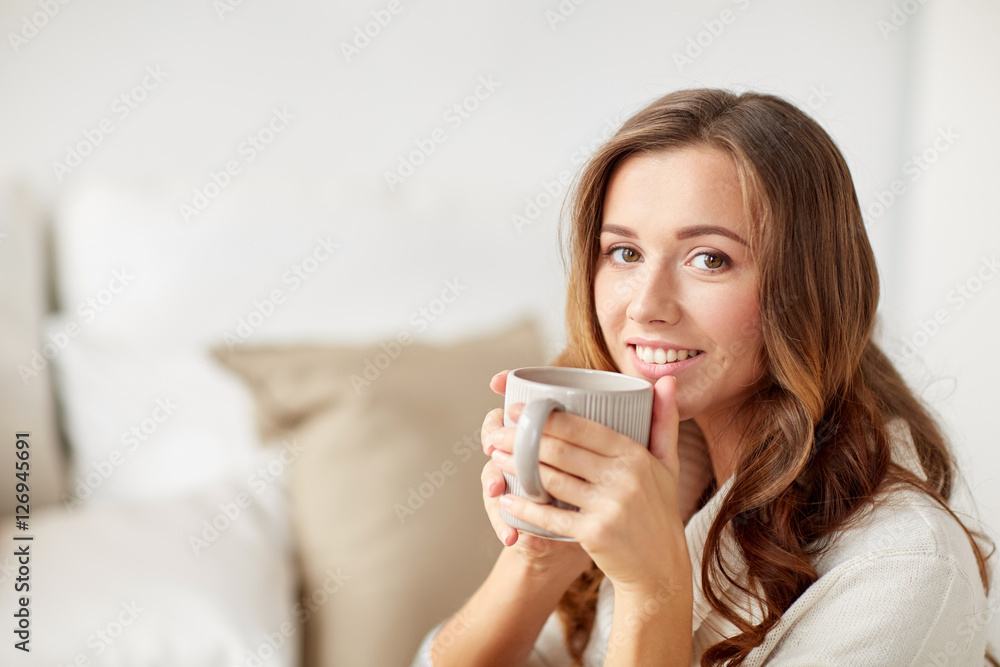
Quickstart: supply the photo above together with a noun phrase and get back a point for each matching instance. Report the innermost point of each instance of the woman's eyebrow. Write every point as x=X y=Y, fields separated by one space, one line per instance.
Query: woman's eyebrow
x=618 y=230
x=705 y=230
x=683 y=233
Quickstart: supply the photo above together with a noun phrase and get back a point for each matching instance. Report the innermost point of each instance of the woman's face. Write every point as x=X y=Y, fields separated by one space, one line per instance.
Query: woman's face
x=675 y=286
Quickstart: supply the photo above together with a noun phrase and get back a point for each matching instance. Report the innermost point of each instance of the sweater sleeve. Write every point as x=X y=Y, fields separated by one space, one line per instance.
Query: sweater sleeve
x=423 y=656
x=889 y=608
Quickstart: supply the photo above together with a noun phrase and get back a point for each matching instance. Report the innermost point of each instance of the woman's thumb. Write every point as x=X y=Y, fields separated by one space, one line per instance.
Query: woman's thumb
x=663 y=431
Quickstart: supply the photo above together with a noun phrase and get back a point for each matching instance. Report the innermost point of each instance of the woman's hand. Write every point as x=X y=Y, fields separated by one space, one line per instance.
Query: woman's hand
x=541 y=555
x=629 y=521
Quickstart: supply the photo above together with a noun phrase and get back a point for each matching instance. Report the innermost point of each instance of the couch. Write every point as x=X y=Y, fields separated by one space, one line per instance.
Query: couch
x=206 y=491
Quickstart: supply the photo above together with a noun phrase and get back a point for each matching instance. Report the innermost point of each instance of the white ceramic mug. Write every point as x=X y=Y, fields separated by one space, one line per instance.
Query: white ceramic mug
x=620 y=402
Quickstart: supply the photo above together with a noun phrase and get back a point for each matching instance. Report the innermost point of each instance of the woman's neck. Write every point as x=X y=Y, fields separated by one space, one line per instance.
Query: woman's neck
x=722 y=431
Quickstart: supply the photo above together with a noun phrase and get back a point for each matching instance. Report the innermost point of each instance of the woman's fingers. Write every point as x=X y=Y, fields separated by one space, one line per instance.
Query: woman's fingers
x=552 y=452
x=494 y=418
x=568 y=488
x=498 y=383
x=547 y=517
x=587 y=434
x=558 y=481
x=494 y=486
x=492 y=424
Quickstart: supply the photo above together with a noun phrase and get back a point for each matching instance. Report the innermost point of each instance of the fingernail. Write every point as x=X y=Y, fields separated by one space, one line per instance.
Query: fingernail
x=506 y=500
x=499 y=456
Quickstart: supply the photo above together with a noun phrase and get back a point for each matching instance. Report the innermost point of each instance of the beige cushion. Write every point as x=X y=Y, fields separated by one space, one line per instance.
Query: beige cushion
x=386 y=489
x=26 y=402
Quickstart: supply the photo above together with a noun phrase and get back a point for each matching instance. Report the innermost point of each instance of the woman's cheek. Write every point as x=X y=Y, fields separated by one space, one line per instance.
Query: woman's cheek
x=751 y=332
x=607 y=300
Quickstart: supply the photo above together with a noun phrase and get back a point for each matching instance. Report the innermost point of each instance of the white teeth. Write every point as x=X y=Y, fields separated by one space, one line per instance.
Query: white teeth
x=659 y=355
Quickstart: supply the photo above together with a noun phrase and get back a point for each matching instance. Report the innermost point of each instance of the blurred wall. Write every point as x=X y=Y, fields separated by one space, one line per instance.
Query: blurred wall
x=944 y=309
x=561 y=76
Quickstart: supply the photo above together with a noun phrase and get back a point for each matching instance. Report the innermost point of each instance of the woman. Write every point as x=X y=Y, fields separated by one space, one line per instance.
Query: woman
x=718 y=250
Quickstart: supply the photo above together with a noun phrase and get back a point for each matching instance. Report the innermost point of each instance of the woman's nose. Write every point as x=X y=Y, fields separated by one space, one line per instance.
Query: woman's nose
x=653 y=296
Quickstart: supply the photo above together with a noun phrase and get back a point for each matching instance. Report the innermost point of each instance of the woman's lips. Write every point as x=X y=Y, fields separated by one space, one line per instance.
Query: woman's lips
x=659 y=370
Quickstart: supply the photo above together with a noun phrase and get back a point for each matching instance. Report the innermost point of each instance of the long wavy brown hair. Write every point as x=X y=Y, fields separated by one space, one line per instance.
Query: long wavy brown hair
x=818 y=450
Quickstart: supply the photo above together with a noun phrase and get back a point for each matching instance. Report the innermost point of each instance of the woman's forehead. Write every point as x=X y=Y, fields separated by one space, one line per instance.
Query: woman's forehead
x=663 y=192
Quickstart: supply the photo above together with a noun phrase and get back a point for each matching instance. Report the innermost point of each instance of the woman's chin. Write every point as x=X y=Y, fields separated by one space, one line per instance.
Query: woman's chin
x=685 y=409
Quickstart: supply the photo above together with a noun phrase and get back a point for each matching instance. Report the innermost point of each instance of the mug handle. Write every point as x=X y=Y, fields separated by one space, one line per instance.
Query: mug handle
x=526 y=442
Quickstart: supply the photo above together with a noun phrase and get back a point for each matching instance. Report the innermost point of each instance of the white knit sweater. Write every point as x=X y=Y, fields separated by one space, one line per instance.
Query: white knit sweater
x=899 y=587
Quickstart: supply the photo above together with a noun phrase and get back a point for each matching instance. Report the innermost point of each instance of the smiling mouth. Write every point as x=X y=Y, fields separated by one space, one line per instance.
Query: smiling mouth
x=659 y=355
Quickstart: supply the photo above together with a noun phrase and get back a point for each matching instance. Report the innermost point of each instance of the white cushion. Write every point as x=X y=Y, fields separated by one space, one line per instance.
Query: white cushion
x=147 y=423
x=123 y=584
x=196 y=284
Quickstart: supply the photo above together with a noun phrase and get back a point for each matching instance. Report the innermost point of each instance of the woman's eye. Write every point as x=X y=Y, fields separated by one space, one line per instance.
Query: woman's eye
x=709 y=261
x=624 y=255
